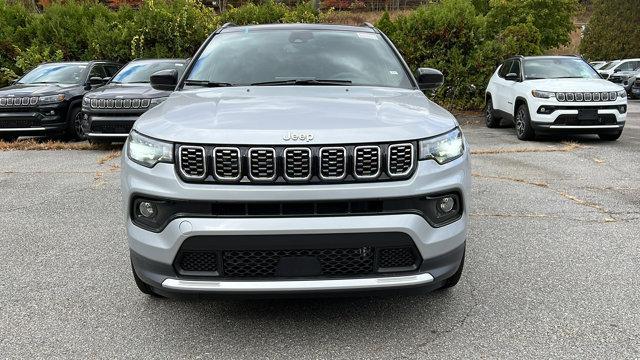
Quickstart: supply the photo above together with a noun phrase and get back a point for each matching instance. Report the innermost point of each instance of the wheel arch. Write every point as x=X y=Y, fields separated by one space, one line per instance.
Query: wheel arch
x=518 y=102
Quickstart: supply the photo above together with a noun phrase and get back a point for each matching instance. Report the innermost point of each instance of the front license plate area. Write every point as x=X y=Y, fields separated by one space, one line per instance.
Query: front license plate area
x=588 y=115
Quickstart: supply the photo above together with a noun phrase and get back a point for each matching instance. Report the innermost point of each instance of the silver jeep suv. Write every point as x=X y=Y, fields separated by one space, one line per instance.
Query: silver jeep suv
x=296 y=159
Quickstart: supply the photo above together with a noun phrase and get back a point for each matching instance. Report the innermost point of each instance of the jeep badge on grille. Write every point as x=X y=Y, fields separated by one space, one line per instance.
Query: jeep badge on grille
x=295 y=137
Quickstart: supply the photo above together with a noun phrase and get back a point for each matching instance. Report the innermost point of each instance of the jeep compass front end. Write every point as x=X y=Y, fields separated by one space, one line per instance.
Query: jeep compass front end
x=296 y=159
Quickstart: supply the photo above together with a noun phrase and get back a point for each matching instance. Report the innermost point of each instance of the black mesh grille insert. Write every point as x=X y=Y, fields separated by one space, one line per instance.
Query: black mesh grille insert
x=262 y=163
x=297 y=163
x=396 y=258
x=264 y=263
x=572 y=119
x=199 y=261
x=333 y=163
x=17 y=123
x=400 y=159
x=227 y=163
x=192 y=161
x=111 y=127
x=367 y=161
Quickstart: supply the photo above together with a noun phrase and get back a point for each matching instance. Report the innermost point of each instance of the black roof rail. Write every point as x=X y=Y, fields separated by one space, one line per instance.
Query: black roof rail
x=368 y=24
x=226 y=25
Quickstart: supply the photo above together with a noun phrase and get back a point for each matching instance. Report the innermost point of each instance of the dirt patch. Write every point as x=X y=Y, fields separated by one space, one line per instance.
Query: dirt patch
x=39 y=144
x=567 y=147
x=110 y=156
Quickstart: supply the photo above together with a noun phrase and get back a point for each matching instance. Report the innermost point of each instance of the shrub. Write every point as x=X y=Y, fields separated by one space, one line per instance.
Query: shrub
x=613 y=31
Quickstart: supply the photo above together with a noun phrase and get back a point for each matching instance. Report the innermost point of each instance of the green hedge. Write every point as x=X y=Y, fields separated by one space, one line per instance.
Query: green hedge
x=465 y=39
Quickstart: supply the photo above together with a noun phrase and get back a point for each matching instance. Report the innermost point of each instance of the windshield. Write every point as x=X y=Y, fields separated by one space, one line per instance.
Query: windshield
x=54 y=73
x=296 y=57
x=610 y=65
x=558 y=68
x=141 y=71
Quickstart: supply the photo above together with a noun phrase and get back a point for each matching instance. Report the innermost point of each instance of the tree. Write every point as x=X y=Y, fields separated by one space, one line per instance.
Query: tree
x=613 y=31
x=553 y=18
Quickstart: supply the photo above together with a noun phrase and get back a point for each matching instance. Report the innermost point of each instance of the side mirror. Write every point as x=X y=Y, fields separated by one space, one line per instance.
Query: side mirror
x=512 y=77
x=106 y=79
x=164 y=79
x=429 y=79
x=13 y=82
x=95 y=81
x=617 y=70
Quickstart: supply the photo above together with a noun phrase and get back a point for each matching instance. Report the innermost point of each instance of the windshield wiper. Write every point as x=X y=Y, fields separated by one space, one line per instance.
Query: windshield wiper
x=304 y=82
x=206 y=83
x=569 y=77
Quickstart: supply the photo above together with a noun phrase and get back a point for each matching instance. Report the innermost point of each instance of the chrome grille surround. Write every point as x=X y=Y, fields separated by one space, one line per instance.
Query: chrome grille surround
x=262 y=164
x=227 y=163
x=333 y=163
x=586 y=96
x=308 y=164
x=366 y=159
x=192 y=161
x=297 y=160
x=397 y=164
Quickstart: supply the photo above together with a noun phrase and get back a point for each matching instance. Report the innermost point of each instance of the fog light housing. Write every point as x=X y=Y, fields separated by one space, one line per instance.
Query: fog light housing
x=446 y=204
x=147 y=209
x=622 y=109
x=546 y=109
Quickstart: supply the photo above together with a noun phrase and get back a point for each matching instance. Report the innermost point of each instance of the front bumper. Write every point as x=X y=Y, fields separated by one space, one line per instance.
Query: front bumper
x=565 y=117
x=154 y=253
x=112 y=125
x=33 y=121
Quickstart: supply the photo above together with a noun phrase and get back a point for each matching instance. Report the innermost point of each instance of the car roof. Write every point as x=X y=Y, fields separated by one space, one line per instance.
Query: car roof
x=247 y=28
x=158 y=60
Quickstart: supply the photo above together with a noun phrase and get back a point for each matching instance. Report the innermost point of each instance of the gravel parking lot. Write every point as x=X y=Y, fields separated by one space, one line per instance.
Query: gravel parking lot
x=552 y=269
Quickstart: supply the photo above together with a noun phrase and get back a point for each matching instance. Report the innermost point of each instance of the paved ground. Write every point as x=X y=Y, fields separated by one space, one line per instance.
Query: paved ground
x=552 y=269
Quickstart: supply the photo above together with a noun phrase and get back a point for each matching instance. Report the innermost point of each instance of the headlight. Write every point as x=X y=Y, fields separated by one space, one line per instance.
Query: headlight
x=542 y=94
x=51 y=99
x=622 y=94
x=148 y=152
x=156 y=102
x=443 y=148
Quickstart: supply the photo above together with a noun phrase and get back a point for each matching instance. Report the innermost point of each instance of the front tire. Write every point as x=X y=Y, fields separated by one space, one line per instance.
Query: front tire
x=74 y=125
x=490 y=119
x=524 y=130
x=610 y=136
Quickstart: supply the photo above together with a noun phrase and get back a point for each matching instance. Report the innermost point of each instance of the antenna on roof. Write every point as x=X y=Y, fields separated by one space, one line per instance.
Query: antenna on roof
x=368 y=24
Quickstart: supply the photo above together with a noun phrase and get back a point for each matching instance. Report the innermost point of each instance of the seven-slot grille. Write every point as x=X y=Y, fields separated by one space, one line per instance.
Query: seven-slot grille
x=587 y=96
x=193 y=162
x=18 y=101
x=119 y=103
x=281 y=164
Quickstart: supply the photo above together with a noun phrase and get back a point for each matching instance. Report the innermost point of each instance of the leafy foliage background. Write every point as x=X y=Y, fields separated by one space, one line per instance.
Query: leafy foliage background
x=465 y=39
x=614 y=30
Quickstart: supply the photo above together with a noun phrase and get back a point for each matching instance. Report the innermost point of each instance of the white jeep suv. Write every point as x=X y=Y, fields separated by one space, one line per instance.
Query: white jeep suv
x=546 y=94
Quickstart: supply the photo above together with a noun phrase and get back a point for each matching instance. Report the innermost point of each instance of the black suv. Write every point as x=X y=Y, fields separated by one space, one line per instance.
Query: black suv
x=48 y=99
x=110 y=111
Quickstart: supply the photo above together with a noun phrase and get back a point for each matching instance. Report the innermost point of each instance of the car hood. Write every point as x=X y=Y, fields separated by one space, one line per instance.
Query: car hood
x=36 y=89
x=113 y=91
x=574 y=85
x=269 y=114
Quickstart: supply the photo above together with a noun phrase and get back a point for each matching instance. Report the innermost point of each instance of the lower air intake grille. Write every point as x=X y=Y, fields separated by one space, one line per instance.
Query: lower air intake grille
x=396 y=258
x=192 y=162
x=400 y=159
x=199 y=261
x=265 y=263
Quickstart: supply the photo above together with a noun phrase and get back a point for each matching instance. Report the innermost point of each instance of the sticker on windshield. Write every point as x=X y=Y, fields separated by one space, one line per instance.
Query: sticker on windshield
x=179 y=64
x=393 y=72
x=367 y=36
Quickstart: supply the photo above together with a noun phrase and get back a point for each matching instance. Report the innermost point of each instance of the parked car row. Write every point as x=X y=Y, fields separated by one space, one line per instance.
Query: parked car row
x=98 y=100
x=551 y=94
